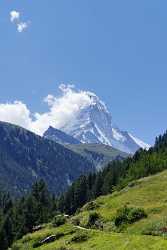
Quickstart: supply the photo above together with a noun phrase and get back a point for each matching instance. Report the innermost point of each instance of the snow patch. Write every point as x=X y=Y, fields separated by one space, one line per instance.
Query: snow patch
x=69 y=182
x=139 y=142
x=102 y=137
x=118 y=135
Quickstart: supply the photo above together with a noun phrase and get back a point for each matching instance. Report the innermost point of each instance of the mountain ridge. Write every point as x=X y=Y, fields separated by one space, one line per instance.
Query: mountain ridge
x=26 y=157
x=59 y=136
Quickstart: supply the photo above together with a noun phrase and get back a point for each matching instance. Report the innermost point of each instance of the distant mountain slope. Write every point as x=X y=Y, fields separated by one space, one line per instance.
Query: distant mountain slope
x=99 y=154
x=25 y=157
x=93 y=123
x=59 y=136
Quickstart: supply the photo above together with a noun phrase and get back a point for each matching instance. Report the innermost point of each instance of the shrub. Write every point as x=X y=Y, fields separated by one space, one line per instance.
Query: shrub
x=129 y=215
x=59 y=220
x=75 y=221
x=80 y=236
x=36 y=244
x=136 y=214
x=90 y=206
x=93 y=218
x=59 y=235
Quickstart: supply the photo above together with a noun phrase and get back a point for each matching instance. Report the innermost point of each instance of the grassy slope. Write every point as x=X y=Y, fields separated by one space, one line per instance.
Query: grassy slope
x=149 y=193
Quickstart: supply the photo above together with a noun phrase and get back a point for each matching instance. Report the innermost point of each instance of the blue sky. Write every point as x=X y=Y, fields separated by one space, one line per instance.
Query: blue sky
x=117 y=49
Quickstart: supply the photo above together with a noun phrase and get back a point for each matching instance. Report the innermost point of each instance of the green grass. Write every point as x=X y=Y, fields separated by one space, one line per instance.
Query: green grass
x=98 y=240
x=148 y=193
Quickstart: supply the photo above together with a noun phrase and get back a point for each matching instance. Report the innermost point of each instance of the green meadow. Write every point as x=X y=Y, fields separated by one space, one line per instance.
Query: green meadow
x=150 y=232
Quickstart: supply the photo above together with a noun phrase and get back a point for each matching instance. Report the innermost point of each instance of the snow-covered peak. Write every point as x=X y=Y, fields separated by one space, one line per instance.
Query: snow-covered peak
x=94 y=100
x=93 y=123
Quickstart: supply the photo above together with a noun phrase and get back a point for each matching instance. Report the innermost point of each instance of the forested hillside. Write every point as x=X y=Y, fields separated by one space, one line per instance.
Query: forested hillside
x=39 y=206
x=26 y=157
x=116 y=175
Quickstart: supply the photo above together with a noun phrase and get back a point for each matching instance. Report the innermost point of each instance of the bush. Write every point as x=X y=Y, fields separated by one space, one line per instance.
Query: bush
x=129 y=215
x=91 y=206
x=136 y=214
x=36 y=244
x=75 y=221
x=59 y=235
x=80 y=236
x=93 y=218
x=59 y=220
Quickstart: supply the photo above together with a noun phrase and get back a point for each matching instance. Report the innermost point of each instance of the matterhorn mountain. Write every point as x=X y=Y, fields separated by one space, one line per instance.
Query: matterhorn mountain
x=93 y=123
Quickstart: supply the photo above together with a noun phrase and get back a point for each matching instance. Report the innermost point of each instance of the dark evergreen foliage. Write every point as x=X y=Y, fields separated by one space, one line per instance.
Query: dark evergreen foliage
x=129 y=215
x=20 y=217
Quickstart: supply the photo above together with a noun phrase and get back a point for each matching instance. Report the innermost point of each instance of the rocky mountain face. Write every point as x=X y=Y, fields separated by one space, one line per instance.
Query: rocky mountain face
x=59 y=136
x=26 y=157
x=94 y=124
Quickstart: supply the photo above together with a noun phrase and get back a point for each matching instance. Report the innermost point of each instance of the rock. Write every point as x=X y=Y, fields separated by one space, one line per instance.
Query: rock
x=37 y=228
x=49 y=239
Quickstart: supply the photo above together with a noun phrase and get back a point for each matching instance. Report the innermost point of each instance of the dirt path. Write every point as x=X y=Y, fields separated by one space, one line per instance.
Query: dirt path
x=82 y=228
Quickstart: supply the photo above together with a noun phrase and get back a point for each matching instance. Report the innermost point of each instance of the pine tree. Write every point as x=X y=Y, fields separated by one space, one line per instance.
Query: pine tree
x=6 y=232
x=97 y=189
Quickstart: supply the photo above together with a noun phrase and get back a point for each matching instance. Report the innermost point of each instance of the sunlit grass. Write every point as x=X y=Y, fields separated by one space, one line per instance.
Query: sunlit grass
x=148 y=193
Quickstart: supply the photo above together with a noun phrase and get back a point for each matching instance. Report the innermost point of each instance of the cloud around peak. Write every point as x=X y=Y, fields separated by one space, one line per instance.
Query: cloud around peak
x=61 y=110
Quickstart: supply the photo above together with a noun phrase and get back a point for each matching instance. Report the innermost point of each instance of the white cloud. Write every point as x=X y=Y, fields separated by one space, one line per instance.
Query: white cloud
x=15 y=18
x=14 y=15
x=61 y=110
x=17 y=113
x=22 y=26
